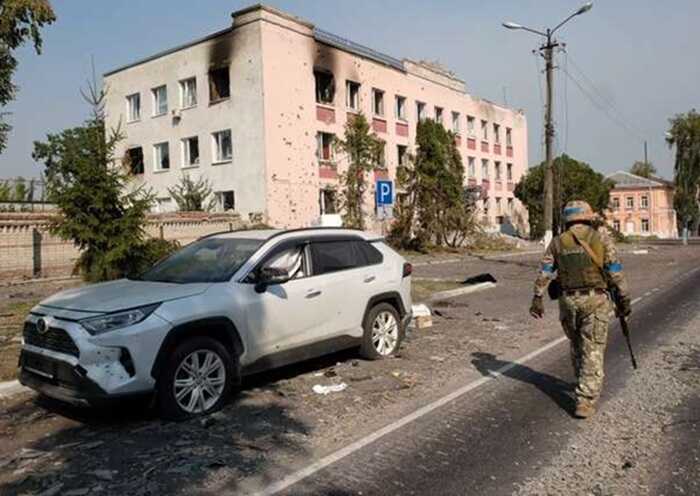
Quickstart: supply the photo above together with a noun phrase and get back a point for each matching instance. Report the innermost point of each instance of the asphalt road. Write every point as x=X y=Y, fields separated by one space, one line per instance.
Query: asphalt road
x=492 y=439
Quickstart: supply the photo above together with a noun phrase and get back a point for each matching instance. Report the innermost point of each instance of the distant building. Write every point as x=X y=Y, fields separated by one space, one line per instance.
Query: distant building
x=642 y=206
x=255 y=109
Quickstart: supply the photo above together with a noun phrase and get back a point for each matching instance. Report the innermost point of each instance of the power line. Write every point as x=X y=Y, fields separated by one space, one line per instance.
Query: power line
x=605 y=110
x=603 y=100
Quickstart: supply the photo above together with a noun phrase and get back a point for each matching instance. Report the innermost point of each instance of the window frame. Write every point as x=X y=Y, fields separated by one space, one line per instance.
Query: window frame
x=318 y=94
x=158 y=157
x=642 y=224
x=471 y=126
x=629 y=203
x=456 y=116
x=155 y=92
x=420 y=111
x=485 y=167
x=484 y=130
x=131 y=165
x=509 y=171
x=129 y=108
x=320 y=147
x=185 y=152
x=381 y=93
x=399 y=155
x=400 y=107
x=183 y=92
x=644 y=202
x=349 y=84
x=212 y=86
x=440 y=115
x=215 y=146
x=509 y=136
x=496 y=133
x=497 y=172
x=471 y=167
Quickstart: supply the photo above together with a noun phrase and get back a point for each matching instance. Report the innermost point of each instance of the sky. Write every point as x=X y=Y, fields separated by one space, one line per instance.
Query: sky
x=629 y=65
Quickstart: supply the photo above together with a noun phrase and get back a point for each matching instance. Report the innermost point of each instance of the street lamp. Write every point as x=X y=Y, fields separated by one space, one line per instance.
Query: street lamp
x=547 y=52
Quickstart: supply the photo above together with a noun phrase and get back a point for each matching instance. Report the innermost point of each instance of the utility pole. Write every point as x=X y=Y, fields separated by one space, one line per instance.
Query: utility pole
x=547 y=50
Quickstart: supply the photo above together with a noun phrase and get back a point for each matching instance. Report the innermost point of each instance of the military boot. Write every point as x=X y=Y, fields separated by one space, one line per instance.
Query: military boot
x=584 y=408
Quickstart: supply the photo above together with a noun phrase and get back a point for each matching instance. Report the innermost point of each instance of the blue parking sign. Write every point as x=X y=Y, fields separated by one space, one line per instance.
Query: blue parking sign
x=385 y=192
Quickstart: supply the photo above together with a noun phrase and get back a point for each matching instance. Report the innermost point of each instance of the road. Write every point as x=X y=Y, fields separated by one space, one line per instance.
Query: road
x=498 y=437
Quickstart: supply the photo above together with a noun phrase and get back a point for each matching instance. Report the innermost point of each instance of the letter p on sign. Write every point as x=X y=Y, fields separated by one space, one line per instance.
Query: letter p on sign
x=385 y=192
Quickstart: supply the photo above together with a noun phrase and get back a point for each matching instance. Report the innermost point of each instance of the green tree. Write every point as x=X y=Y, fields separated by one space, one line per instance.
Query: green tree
x=362 y=148
x=643 y=169
x=191 y=196
x=684 y=135
x=20 y=21
x=100 y=213
x=435 y=209
x=21 y=192
x=573 y=180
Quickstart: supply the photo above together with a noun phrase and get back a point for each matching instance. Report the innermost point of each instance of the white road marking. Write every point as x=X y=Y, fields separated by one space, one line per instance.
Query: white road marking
x=328 y=460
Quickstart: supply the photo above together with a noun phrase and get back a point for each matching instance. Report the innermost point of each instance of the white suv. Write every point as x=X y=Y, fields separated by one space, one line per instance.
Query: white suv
x=223 y=307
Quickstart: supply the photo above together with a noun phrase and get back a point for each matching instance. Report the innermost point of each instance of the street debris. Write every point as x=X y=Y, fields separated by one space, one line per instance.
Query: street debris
x=326 y=390
x=479 y=279
x=640 y=252
x=421 y=316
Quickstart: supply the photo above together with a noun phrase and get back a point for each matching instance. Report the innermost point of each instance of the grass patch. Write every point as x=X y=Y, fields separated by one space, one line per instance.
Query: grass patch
x=421 y=289
x=11 y=322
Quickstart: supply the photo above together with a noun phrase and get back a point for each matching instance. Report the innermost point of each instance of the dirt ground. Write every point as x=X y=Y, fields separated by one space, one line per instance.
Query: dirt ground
x=277 y=422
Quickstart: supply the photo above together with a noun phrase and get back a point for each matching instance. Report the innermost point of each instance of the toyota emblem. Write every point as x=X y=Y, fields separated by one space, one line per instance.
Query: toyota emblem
x=41 y=326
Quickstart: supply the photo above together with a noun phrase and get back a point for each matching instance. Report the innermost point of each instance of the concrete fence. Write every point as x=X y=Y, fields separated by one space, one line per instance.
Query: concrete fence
x=28 y=250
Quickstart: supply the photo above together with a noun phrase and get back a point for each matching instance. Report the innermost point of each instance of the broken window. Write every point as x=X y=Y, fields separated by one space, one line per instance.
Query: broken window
x=160 y=100
x=438 y=115
x=402 y=152
x=420 y=111
x=472 y=167
x=226 y=200
x=325 y=87
x=327 y=201
x=401 y=107
x=509 y=137
x=219 y=84
x=135 y=160
x=497 y=168
x=352 y=95
x=161 y=156
x=455 y=122
x=378 y=102
x=324 y=147
x=509 y=171
x=470 y=125
x=497 y=133
x=223 y=146
x=190 y=151
x=484 y=130
x=133 y=107
x=188 y=92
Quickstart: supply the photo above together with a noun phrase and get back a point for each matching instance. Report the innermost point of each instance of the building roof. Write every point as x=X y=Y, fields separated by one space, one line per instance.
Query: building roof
x=623 y=179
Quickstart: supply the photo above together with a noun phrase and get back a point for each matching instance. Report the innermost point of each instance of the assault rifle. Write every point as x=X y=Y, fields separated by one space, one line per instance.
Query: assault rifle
x=617 y=300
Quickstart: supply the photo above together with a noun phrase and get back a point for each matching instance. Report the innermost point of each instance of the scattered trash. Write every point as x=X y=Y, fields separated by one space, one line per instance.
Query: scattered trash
x=326 y=390
x=421 y=316
x=355 y=363
x=640 y=252
x=360 y=378
x=443 y=315
x=478 y=279
x=330 y=372
x=437 y=359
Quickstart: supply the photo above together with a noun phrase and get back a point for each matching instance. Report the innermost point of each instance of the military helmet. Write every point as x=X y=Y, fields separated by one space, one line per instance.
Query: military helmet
x=578 y=211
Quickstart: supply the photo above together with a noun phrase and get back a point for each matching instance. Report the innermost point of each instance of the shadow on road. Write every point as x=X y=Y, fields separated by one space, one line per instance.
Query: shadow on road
x=556 y=389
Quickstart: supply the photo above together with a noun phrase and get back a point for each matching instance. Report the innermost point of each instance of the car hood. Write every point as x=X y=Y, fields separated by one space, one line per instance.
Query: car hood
x=121 y=294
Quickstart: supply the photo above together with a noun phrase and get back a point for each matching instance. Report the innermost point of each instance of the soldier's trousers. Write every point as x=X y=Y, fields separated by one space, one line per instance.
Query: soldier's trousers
x=585 y=320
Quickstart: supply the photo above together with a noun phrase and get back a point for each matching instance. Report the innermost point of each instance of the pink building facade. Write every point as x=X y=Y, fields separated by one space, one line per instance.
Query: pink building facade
x=642 y=206
x=255 y=110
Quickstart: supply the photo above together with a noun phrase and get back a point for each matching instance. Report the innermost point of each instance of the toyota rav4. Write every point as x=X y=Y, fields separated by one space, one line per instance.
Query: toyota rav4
x=228 y=305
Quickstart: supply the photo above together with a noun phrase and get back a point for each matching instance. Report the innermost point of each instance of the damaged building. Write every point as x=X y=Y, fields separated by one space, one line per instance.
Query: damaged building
x=255 y=109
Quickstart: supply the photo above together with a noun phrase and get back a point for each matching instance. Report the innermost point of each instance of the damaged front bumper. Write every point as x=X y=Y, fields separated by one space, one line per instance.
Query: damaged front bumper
x=67 y=363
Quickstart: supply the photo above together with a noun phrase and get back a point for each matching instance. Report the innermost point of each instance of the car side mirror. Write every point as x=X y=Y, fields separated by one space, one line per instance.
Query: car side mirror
x=269 y=276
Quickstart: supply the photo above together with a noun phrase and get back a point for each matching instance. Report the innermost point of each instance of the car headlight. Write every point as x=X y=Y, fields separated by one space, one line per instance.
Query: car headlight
x=117 y=320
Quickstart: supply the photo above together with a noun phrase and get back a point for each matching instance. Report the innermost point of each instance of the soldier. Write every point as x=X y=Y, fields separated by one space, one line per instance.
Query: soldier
x=586 y=264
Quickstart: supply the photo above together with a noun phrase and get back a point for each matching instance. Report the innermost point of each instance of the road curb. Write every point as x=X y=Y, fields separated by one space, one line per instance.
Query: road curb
x=451 y=293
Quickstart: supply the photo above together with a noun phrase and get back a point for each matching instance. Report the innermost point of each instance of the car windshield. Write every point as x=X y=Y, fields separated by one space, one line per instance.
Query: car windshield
x=207 y=260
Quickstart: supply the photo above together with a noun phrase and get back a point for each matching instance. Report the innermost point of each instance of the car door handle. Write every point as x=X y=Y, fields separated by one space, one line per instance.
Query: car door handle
x=313 y=294
x=369 y=279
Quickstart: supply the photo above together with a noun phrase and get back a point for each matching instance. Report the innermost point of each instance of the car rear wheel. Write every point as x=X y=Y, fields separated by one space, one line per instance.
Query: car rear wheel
x=197 y=379
x=382 y=332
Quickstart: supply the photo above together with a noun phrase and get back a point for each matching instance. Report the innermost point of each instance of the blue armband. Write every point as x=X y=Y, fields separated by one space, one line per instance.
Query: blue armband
x=614 y=267
x=549 y=268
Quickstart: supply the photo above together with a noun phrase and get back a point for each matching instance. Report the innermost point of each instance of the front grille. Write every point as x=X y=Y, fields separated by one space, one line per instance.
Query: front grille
x=53 y=339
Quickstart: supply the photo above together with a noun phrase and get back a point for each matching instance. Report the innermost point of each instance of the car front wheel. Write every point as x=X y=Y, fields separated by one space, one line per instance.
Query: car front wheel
x=197 y=379
x=382 y=332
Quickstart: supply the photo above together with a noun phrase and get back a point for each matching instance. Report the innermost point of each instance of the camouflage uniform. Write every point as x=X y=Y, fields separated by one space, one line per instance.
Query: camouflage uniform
x=585 y=307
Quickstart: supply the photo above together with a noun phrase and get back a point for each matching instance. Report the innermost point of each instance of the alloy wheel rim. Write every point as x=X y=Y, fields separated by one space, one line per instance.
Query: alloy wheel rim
x=199 y=381
x=385 y=333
